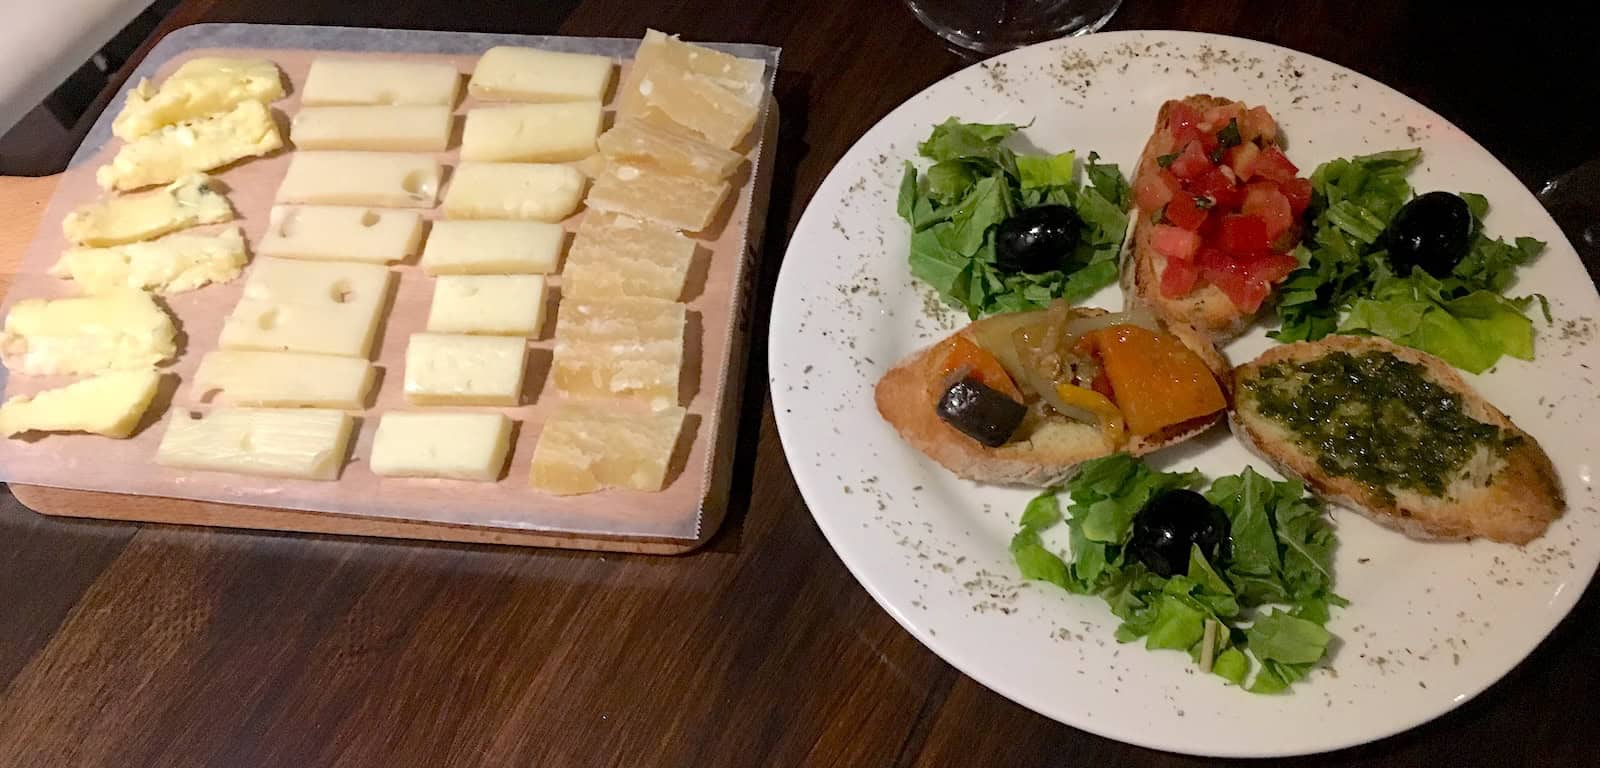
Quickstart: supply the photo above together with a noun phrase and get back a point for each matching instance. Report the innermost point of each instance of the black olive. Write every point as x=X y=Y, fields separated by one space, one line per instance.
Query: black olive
x=981 y=412
x=1433 y=231
x=1169 y=524
x=1036 y=239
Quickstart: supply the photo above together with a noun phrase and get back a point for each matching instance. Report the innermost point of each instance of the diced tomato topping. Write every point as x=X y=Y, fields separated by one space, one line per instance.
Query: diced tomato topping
x=1275 y=166
x=1216 y=185
x=1258 y=123
x=1174 y=243
x=1182 y=211
x=1263 y=200
x=1178 y=278
x=1242 y=159
x=1246 y=293
x=1181 y=115
x=1298 y=191
x=1272 y=267
x=1191 y=162
x=1153 y=190
x=1217 y=117
x=1243 y=235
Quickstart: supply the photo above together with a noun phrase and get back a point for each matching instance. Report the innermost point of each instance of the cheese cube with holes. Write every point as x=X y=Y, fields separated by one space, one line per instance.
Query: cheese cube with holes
x=324 y=308
x=192 y=146
x=122 y=329
x=363 y=82
x=493 y=248
x=304 y=443
x=526 y=191
x=459 y=446
x=589 y=446
x=451 y=369
x=361 y=178
x=628 y=348
x=712 y=93
x=497 y=305
x=111 y=404
x=618 y=256
x=188 y=202
x=645 y=191
x=200 y=87
x=537 y=133
x=173 y=264
x=638 y=140
x=409 y=128
x=283 y=379
x=507 y=73
x=341 y=233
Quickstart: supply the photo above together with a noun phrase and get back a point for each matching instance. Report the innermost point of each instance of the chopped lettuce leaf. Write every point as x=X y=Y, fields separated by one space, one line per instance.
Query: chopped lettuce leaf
x=1045 y=171
x=1278 y=636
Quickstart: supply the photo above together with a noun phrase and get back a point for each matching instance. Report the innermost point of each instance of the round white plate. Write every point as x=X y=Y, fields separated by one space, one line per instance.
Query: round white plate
x=1430 y=624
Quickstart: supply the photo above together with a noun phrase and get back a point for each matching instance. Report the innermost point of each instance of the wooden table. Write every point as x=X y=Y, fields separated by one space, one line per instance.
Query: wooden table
x=124 y=645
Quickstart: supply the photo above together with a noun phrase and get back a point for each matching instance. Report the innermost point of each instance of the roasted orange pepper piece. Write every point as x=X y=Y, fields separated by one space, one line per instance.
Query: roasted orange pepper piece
x=1154 y=378
x=979 y=364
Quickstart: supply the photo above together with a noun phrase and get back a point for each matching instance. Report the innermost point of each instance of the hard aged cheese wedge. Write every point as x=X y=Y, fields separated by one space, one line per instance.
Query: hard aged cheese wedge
x=333 y=82
x=507 y=73
x=636 y=139
x=618 y=256
x=200 y=87
x=500 y=305
x=645 y=191
x=451 y=369
x=526 y=191
x=531 y=133
x=111 y=404
x=712 y=93
x=341 y=233
x=190 y=201
x=460 y=446
x=588 y=446
x=1398 y=435
x=283 y=379
x=409 y=128
x=628 y=348
x=173 y=264
x=361 y=178
x=122 y=329
x=493 y=248
x=325 y=308
x=304 y=443
x=192 y=146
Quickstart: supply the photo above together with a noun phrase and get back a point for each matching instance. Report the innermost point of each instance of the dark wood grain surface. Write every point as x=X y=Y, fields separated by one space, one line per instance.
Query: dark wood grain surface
x=126 y=645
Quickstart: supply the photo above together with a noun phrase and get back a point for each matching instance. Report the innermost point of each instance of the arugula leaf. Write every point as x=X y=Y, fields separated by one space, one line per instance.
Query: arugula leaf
x=1036 y=562
x=1231 y=665
x=1278 y=636
x=907 y=201
x=1107 y=179
x=1043 y=512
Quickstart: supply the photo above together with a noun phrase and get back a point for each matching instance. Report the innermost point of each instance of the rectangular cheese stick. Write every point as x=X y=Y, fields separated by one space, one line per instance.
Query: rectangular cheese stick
x=283 y=379
x=676 y=151
x=325 y=308
x=620 y=348
x=361 y=178
x=617 y=256
x=454 y=369
x=175 y=151
x=305 y=443
x=411 y=128
x=341 y=233
x=190 y=201
x=458 y=446
x=538 y=133
x=681 y=202
x=172 y=264
x=526 y=191
x=110 y=404
x=366 y=82
x=493 y=248
x=119 y=330
x=500 y=305
x=589 y=446
x=507 y=73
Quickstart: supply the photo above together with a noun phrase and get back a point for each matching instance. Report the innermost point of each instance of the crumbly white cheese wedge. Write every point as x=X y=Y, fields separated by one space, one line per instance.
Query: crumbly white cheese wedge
x=409 y=128
x=318 y=307
x=498 y=305
x=507 y=73
x=200 y=87
x=364 y=82
x=111 y=404
x=460 y=446
x=588 y=446
x=192 y=146
x=341 y=233
x=451 y=369
x=617 y=256
x=627 y=348
x=531 y=133
x=648 y=192
x=639 y=140
x=120 y=330
x=493 y=248
x=188 y=202
x=283 y=379
x=526 y=191
x=305 y=443
x=712 y=93
x=361 y=178
x=173 y=264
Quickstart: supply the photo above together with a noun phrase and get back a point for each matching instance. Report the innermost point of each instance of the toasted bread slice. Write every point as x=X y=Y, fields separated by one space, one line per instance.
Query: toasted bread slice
x=908 y=395
x=1206 y=308
x=1512 y=497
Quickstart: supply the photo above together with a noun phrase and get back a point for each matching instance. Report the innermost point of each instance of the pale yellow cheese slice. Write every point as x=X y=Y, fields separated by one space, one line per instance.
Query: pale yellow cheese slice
x=407 y=128
x=190 y=201
x=283 y=379
x=507 y=73
x=659 y=49
x=304 y=443
x=385 y=179
x=192 y=146
x=617 y=256
x=172 y=264
x=526 y=191
x=459 y=446
x=538 y=133
x=318 y=307
x=500 y=305
x=493 y=248
x=198 y=88
x=648 y=192
x=369 y=82
x=627 y=348
x=455 y=369
x=638 y=140
x=712 y=93
x=589 y=446
x=341 y=233
x=111 y=404
x=123 y=329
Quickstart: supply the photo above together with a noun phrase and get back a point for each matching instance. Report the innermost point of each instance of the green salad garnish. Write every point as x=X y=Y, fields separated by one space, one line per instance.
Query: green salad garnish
x=1252 y=612
x=974 y=184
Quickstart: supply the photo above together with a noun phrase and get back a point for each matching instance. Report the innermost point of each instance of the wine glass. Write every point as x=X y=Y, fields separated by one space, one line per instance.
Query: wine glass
x=988 y=27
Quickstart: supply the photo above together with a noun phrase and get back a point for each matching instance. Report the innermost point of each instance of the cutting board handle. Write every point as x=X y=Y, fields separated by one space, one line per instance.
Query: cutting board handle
x=23 y=200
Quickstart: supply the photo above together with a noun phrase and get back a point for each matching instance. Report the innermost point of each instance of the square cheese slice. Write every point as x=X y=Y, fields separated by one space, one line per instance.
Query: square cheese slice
x=408 y=128
x=190 y=201
x=617 y=256
x=497 y=305
x=341 y=233
x=648 y=192
x=716 y=95
x=361 y=178
x=305 y=443
x=531 y=133
x=459 y=446
x=173 y=264
x=200 y=87
x=451 y=369
x=283 y=379
x=507 y=73
x=637 y=140
x=111 y=404
x=626 y=348
x=122 y=329
x=526 y=191
x=493 y=248
x=318 y=307
x=588 y=446
x=365 y=82
x=175 y=151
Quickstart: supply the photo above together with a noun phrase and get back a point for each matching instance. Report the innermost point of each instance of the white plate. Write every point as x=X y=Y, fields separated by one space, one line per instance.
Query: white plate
x=1429 y=626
